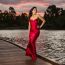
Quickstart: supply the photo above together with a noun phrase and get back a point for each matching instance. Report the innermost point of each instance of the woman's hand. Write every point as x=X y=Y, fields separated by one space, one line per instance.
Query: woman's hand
x=38 y=26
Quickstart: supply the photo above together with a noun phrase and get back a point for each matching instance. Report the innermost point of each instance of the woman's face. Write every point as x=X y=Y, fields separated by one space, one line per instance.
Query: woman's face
x=34 y=11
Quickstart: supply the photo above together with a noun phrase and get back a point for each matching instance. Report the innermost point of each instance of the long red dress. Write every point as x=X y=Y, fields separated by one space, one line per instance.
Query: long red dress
x=33 y=35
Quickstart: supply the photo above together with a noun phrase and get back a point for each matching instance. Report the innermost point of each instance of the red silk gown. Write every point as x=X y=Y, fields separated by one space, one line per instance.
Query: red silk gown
x=33 y=35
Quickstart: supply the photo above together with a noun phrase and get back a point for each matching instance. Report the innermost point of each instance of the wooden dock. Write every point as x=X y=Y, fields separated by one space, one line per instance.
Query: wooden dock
x=13 y=55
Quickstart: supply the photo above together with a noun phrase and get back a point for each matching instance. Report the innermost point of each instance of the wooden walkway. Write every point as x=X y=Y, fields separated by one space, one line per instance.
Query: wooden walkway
x=13 y=55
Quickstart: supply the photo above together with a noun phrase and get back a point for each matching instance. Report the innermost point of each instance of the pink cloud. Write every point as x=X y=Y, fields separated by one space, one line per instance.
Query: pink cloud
x=26 y=5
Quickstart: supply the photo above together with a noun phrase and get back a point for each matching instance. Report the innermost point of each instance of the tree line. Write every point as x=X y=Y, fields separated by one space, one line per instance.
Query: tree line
x=54 y=16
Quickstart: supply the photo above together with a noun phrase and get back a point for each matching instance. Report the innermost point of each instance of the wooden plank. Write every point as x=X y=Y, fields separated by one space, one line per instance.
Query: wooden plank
x=13 y=55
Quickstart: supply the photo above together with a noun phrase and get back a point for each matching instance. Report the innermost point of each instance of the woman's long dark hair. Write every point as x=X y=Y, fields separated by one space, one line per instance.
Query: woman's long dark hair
x=30 y=12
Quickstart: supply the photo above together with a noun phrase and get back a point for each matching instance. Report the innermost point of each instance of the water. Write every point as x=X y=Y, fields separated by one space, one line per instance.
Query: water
x=50 y=43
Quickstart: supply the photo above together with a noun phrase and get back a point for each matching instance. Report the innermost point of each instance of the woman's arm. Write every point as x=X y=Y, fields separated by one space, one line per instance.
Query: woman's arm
x=42 y=19
x=29 y=26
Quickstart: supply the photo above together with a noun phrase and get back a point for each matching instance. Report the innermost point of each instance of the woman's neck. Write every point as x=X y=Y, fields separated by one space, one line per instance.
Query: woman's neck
x=33 y=14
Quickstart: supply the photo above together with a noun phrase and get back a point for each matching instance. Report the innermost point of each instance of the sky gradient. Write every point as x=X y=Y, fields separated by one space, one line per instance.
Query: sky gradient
x=26 y=5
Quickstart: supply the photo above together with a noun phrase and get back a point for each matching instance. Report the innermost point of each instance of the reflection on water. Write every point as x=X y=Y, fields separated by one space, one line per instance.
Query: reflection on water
x=50 y=43
x=52 y=46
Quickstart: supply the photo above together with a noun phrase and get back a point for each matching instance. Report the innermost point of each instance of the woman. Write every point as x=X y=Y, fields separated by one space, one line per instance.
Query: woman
x=34 y=31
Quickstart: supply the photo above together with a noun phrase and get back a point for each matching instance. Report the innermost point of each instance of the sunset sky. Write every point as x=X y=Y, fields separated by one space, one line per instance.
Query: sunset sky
x=25 y=5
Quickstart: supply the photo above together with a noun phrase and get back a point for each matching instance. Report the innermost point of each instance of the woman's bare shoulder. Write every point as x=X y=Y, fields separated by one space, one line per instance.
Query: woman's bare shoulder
x=38 y=14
